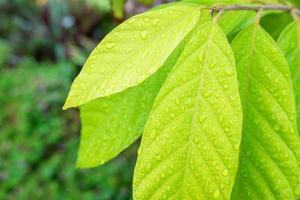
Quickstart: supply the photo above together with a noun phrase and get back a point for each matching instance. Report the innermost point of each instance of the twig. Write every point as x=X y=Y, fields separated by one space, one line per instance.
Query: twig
x=275 y=7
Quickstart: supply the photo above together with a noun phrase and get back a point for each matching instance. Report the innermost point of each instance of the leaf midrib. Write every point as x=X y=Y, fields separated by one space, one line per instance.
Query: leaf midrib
x=189 y=143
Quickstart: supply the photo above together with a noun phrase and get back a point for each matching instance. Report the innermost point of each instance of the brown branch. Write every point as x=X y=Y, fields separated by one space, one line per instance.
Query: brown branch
x=274 y=7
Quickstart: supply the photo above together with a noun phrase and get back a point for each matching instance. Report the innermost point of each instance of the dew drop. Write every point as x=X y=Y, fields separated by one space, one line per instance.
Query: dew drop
x=152 y=134
x=297 y=191
x=201 y=118
x=229 y=71
x=155 y=22
x=144 y=35
x=277 y=127
x=110 y=45
x=158 y=157
x=225 y=172
x=216 y=194
x=237 y=146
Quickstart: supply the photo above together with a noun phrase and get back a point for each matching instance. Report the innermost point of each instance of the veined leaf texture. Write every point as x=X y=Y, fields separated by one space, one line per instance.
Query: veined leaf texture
x=270 y=149
x=289 y=42
x=110 y=124
x=189 y=150
x=132 y=52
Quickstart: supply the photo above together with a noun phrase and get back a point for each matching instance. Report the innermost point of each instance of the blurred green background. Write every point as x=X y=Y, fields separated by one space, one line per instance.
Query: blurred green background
x=43 y=44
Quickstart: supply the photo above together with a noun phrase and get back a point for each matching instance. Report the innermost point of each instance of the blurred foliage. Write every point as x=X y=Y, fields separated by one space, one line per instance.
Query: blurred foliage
x=43 y=44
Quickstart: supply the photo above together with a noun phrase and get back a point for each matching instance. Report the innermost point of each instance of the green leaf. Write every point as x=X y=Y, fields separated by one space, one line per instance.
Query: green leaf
x=289 y=42
x=274 y=23
x=234 y=21
x=132 y=52
x=191 y=141
x=118 y=8
x=270 y=149
x=111 y=124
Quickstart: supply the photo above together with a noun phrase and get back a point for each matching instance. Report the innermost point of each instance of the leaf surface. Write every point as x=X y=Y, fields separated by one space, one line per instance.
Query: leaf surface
x=111 y=124
x=289 y=42
x=270 y=149
x=132 y=52
x=190 y=144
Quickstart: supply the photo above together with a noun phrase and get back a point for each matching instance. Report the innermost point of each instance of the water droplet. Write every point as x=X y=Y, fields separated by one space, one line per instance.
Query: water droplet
x=297 y=191
x=153 y=134
x=155 y=22
x=128 y=65
x=216 y=194
x=225 y=172
x=201 y=118
x=158 y=157
x=110 y=45
x=194 y=71
x=277 y=127
x=229 y=71
x=237 y=146
x=146 y=19
x=144 y=35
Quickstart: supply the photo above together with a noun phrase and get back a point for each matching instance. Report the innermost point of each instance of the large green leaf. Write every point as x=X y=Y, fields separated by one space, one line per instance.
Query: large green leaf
x=289 y=42
x=190 y=145
x=270 y=149
x=111 y=124
x=132 y=52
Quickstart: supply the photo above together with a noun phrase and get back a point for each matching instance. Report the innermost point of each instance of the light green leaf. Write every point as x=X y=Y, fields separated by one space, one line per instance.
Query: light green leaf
x=190 y=145
x=118 y=8
x=270 y=149
x=132 y=52
x=289 y=42
x=111 y=124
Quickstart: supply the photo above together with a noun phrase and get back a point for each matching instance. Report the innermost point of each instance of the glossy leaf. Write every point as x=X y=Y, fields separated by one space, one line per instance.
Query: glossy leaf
x=111 y=124
x=289 y=42
x=270 y=149
x=132 y=52
x=190 y=145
